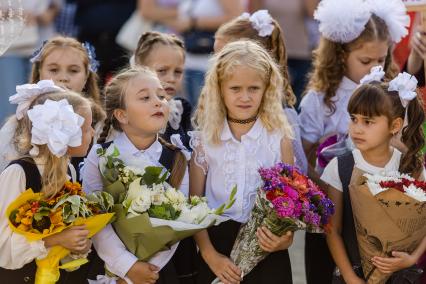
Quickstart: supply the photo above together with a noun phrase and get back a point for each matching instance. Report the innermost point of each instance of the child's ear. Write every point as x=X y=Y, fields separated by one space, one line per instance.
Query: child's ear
x=121 y=116
x=396 y=125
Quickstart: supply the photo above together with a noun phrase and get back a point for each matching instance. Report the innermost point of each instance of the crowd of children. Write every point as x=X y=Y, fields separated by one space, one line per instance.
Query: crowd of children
x=244 y=120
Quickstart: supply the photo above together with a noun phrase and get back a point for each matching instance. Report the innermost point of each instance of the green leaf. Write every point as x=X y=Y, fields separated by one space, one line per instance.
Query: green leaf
x=231 y=200
x=152 y=175
x=163 y=211
x=116 y=152
x=100 y=152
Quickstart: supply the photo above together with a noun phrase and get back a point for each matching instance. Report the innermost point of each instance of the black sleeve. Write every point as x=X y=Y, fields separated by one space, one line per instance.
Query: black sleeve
x=186 y=116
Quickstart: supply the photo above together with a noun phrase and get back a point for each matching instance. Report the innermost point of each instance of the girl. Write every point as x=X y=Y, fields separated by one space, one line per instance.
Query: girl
x=241 y=128
x=269 y=35
x=377 y=114
x=137 y=108
x=351 y=44
x=43 y=168
x=165 y=54
x=71 y=65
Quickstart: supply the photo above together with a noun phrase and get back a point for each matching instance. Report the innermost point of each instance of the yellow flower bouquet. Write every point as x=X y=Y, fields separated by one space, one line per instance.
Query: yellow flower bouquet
x=36 y=217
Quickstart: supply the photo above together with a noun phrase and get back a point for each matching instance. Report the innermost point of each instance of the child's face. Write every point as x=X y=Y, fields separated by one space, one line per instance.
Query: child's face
x=146 y=110
x=65 y=67
x=369 y=133
x=87 y=134
x=168 y=62
x=242 y=92
x=361 y=60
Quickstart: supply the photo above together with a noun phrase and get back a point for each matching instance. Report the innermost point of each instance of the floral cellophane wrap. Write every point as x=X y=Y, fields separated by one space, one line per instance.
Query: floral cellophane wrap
x=48 y=267
x=389 y=221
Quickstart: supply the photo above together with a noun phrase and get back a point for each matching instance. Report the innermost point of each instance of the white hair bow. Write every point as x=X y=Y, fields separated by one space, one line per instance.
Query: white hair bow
x=56 y=124
x=27 y=93
x=343 y=21
x=376 y=74
x=175 y=139
x=261 y=21
x=405 y=84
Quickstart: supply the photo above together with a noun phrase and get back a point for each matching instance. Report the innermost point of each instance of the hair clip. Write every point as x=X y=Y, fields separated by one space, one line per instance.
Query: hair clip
x=93 y=63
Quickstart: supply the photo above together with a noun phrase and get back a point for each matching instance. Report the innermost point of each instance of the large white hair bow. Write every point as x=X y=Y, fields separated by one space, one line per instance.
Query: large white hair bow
x=27 y=93
x=343 y=21
x=56 y=124
x=405 y=84
x=394 y=13
x=376 y=74
x=261 y=21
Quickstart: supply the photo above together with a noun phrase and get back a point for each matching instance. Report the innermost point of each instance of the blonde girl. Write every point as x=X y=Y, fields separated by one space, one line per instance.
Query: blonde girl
x=137 y=109
x=378 y=111
x=241 y=127
x=165 y=54
x=43 y=167
x=71 y=65
x=355 y=36
x=266 y=31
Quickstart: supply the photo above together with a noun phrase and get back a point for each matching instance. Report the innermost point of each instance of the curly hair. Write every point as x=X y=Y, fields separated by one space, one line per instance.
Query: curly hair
x=211 y=110
x=241 y=28
x=329 y=60
x=91 y=89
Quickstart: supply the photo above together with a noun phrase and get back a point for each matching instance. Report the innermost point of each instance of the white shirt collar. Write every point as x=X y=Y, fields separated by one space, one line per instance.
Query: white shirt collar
x=347 y=84
x=253 y=133
x=126 y=146
x=391 y=165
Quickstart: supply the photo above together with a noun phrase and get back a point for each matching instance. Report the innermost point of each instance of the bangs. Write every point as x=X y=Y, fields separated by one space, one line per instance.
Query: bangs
x=369 y=100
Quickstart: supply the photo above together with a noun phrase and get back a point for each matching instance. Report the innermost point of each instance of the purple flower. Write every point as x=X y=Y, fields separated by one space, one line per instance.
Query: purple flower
x=291 y=192
x=284 y=207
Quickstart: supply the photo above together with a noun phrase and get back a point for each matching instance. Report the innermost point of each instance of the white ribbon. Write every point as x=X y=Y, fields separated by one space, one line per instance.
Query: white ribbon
x=376 y=74
x=176 y=141
x=27 y=93
x=56 y=124
x=405 y=84
x=261 y=21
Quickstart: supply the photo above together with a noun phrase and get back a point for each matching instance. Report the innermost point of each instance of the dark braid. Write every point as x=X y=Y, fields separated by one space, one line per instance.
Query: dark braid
x=179 y=165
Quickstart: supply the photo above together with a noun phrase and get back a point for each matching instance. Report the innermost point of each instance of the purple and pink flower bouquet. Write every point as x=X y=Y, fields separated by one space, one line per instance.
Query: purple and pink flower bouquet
x=287 y=201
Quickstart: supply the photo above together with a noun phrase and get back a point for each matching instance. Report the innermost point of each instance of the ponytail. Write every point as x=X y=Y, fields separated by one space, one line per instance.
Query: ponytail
x=179 y=164
x=413 y=138
x=279 y=52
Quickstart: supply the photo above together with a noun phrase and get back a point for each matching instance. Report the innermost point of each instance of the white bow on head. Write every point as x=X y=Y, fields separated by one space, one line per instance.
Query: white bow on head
x=27 y=93
x=56 y=124
x=261 y=21
x=405 y=84
x=344 y=20
x=376 y=74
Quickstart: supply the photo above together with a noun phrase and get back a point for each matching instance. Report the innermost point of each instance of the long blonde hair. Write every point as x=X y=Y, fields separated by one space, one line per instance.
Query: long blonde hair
x=91 y=89
x=211 y=110
x=241 y=28
x=55 y=168
x=329 y=60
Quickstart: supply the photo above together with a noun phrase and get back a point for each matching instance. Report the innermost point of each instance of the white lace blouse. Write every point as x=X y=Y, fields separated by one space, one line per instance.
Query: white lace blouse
x=236 y=163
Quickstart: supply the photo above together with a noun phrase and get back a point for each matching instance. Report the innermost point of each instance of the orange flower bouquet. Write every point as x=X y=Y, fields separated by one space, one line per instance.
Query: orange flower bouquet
x=36 y=217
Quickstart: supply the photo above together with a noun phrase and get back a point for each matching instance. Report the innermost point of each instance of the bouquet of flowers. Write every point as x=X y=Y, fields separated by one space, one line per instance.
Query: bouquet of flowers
x=151 y=214
x=390 y=215
x=287 y=201
x=36 y=217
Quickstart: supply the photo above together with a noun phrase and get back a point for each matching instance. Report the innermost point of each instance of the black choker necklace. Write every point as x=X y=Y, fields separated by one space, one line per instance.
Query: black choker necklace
x=242 y=121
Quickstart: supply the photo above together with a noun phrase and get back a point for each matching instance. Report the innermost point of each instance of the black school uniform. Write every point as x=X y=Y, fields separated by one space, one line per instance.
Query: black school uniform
x=184 y=125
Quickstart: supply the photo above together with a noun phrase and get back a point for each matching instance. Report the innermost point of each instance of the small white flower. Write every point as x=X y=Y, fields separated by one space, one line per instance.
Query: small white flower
x=194 y=215
x=415 y=192
x=176 y=197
